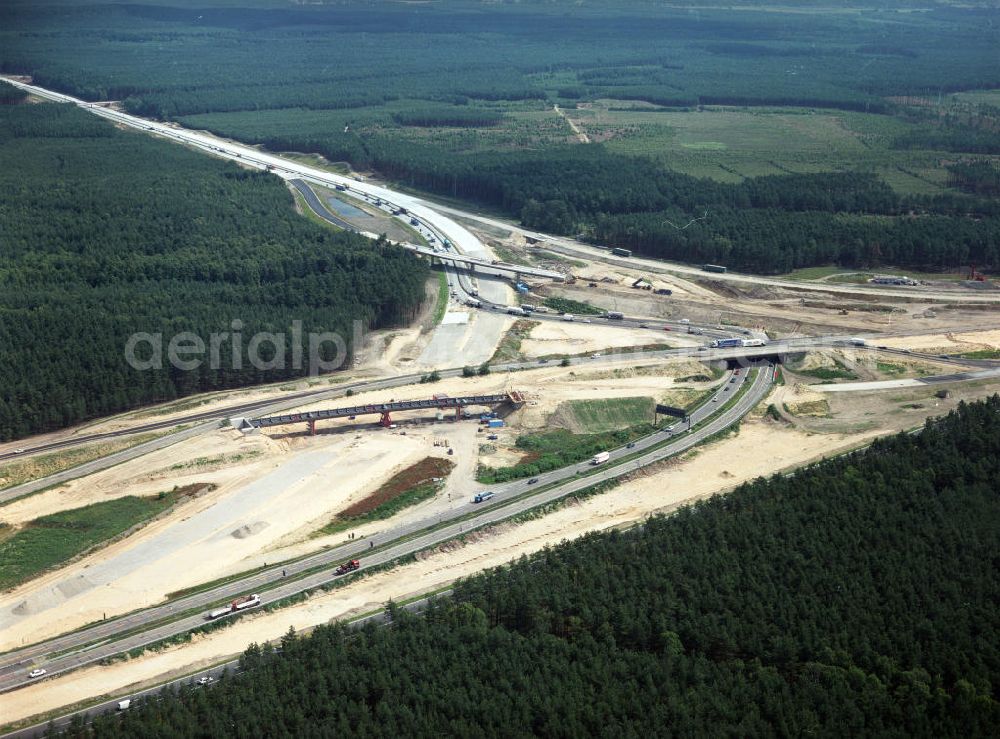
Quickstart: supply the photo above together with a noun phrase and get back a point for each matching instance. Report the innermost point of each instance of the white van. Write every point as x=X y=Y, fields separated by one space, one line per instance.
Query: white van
x=567 y=316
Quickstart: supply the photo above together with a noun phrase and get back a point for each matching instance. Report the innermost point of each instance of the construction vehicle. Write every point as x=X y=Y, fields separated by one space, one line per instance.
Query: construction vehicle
x=350 y=566
x=600 y=458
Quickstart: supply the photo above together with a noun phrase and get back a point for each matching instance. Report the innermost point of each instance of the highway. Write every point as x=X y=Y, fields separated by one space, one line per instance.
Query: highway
x=107 y=638
x=230 y=669
x=207 y=421
x=573 y=248
x=464 y=241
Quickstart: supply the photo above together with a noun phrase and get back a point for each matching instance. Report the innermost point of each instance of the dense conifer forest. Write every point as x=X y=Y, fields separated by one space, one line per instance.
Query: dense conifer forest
x=855 y=598
x=453 y=98
x=104 y=233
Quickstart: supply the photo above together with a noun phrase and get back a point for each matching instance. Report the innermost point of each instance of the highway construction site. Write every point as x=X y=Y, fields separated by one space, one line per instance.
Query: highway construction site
x=279 y=489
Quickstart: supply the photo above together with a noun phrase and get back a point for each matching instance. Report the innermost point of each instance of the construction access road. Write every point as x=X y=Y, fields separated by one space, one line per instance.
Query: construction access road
x=142 y=628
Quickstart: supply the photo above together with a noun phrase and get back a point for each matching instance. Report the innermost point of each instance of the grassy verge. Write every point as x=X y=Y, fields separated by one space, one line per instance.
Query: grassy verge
x=608 y=414
x=43 y=465
x=982 y=354
x=574 y=307
x=839 y=371
x=52 y=540
x=509 y=348
x=442 y=298
x=412 y=485
x=559 y=448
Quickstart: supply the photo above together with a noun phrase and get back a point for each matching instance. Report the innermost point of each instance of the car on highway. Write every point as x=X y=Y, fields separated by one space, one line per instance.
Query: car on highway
x=37 y=672
x=18 y=451
x=205 y=680
x=715 y=399
x=630 y=445
x=669 y=429
x=543 y=361
x=533 y=480
x=595 y=356
x=703 y=348
x=643 y=325
x=667 y=328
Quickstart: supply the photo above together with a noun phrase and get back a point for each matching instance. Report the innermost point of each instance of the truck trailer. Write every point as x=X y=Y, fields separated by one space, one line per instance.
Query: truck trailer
x=349 y=566
x=726 y=343
x=239 y=604
x=600 y=458
x=718 y=268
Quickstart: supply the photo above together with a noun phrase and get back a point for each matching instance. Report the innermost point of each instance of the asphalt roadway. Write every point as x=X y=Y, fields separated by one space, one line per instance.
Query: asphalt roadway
x=99 y=641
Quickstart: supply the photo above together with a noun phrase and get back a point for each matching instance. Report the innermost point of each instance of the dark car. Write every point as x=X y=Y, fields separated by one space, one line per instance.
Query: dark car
x=630 y=445
x=533 y=480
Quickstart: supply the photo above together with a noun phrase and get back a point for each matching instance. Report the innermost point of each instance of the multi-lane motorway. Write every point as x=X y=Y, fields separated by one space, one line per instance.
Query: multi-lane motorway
x=144 y=627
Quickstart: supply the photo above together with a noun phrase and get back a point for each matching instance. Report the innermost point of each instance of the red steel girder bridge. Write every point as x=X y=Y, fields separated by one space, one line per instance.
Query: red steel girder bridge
x=439 y=402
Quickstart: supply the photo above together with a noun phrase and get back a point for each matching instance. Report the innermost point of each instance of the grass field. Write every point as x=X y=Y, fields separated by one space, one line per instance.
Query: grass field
x=608 y=414
x=573 y=307
x=982 y=354
x=729 y=144
x=53 y=540
x=839 y=274
x=416 y=483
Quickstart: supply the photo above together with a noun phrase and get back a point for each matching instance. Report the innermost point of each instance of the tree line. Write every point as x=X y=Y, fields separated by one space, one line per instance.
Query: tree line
x=857 y=597
x=107 y=233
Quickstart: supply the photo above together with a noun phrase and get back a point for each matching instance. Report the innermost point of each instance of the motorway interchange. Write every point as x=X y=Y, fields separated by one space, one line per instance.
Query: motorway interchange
x=741 y=390
x=730 y=402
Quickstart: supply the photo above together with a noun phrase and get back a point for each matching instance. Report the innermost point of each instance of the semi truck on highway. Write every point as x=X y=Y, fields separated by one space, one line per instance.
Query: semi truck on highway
x=735 y=341
x=350 y=566
x=724 y=343
x=600 y=458
x=239 y=604
x=482 y=497
x=718 y=268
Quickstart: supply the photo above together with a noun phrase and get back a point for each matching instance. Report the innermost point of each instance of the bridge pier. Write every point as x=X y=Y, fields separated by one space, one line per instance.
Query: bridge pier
x=386 y=419
x=312 y=426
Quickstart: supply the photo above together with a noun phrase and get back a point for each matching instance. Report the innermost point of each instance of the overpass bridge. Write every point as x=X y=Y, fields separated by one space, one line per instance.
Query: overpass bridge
x=385 y=410
x=474 y=263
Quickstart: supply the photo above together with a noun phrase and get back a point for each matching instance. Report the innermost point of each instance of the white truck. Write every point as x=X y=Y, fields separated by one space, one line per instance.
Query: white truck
x=567 y=316
x=600 y=458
